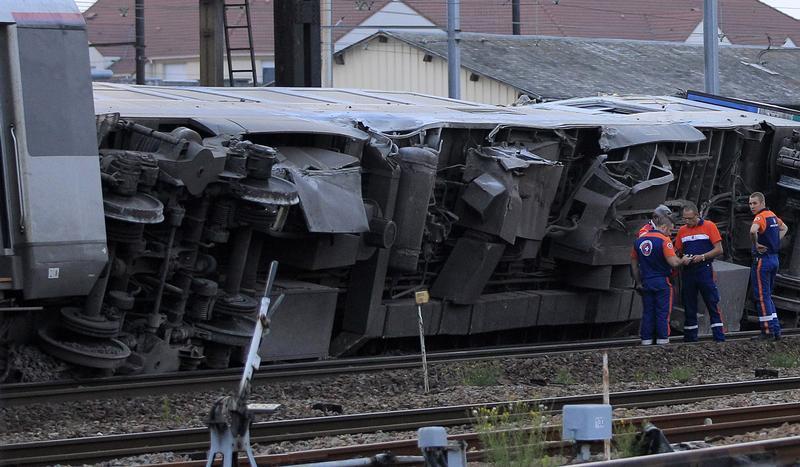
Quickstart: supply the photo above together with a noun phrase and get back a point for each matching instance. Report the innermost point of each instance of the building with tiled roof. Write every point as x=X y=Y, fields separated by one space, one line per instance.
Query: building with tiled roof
x=172 y=30
x=497 y=69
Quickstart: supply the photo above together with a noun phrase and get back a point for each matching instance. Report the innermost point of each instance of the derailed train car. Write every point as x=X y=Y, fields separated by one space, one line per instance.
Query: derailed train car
x=135 y=236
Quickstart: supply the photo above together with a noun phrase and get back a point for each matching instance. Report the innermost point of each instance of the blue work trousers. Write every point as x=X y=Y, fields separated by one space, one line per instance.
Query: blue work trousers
x=700 y=278
x=656 y=308
x=762 y=279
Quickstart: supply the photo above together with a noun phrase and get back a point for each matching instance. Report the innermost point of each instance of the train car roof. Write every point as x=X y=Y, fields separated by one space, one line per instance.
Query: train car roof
x=41 y=13
x=326 y=110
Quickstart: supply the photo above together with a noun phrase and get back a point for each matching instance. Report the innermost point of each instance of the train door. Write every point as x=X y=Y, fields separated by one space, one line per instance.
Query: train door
x=57 y=226
x=9 y=262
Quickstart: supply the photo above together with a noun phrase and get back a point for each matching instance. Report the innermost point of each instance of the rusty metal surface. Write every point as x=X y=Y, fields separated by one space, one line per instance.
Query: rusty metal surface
x=678 y=427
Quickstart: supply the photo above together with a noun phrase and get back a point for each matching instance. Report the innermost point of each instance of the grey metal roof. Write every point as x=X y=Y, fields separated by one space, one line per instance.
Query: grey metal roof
x=561 y=68
x=321 y=110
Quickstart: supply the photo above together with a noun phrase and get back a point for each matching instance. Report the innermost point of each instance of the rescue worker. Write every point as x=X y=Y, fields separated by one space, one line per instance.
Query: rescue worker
x=652 y=259
x=659 y=212
x=766 y=233
x=700 y=242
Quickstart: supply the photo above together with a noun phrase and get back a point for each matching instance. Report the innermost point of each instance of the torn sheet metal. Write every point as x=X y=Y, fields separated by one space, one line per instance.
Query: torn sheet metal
x=620 y=136
x=309 y=158
x=515 y=158
x=597 y=192
x=481 y=192
x=509 y=192
x=331 y=200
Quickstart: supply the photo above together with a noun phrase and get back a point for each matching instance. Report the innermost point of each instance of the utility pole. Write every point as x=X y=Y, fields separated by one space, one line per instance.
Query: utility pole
x=453 y=52
x=515 y=18
x=212 y=50
x=711 y=45
x=298 y=52
x=139 y=15
x=327 y=32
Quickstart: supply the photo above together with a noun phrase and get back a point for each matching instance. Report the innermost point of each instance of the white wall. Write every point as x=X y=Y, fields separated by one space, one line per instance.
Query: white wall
x=188 y=69
x=397 y=66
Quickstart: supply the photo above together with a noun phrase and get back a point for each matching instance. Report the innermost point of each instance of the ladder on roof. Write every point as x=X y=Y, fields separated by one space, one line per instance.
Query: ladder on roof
x=239 y=5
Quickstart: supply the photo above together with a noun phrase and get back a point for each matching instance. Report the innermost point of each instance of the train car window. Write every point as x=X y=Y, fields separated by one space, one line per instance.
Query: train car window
x=57 y=92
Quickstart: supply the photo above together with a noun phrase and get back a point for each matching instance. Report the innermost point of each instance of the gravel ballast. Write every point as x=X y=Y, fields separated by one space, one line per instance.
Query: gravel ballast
x=469 y=383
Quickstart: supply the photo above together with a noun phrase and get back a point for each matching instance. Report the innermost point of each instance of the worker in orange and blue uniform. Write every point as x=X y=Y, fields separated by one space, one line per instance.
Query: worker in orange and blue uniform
x=700 y=242
x=766 y=233
x=652 y=260
x=659 y=212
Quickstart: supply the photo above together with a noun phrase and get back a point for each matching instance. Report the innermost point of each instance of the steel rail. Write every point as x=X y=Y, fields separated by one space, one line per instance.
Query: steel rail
x=209 y=380
x=90 y=449
x=678 y=427
x=781 y=451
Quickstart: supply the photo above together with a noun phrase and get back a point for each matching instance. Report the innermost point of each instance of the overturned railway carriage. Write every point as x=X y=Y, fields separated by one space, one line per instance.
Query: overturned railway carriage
x=135 y=237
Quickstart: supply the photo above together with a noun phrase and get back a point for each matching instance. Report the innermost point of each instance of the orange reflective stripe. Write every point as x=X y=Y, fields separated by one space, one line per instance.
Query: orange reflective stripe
x=719 y=312
x=761 y=296
x=669 y=310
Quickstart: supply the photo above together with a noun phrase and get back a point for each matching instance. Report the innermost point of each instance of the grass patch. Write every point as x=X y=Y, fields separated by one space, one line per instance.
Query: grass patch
x=482 y=374
x=784 y=360
x=640 y=376
x=681 y=373
x=513 y=436
x=166 y=410
x=626 y=441
x=564 y=377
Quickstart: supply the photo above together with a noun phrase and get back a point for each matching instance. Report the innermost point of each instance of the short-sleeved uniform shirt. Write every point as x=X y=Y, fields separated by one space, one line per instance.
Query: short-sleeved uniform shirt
x=652 y=250
x=699 y=239
x=649 y=227
x=769 y=231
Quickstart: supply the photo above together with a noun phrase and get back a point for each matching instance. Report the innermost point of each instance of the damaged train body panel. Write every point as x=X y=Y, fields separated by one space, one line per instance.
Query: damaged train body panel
x=516 y=219
x=135 y=234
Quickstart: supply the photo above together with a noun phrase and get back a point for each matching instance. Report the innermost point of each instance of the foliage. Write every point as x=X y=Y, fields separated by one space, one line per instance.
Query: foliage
x=681 y=373
x=482 y=374
x=784 y=360
x=513 y=436
x=563 y=377
x=166 y=409
x=641 y=376
x=626 y=443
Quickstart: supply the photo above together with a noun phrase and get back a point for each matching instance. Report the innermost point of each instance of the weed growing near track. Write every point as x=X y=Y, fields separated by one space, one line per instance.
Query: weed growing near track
x=784 y=360
x=682 y=374
x=513 y=436
x=482 y=374
x=564 y=377
x=626 y=442
x=640 y=376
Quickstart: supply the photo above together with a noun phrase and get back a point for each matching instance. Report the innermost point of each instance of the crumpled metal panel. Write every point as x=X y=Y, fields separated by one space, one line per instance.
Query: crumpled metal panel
x=331 y=200
x=598 y=192
x=521 y=208
x=480 y=194
x=467 y=270
x=619 y=136
x=315 y=158
x=268 y=122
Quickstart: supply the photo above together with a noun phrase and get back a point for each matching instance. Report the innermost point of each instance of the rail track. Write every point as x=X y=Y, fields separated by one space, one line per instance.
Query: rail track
x=781 y=451
x=196 y=381
x=93 y=449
